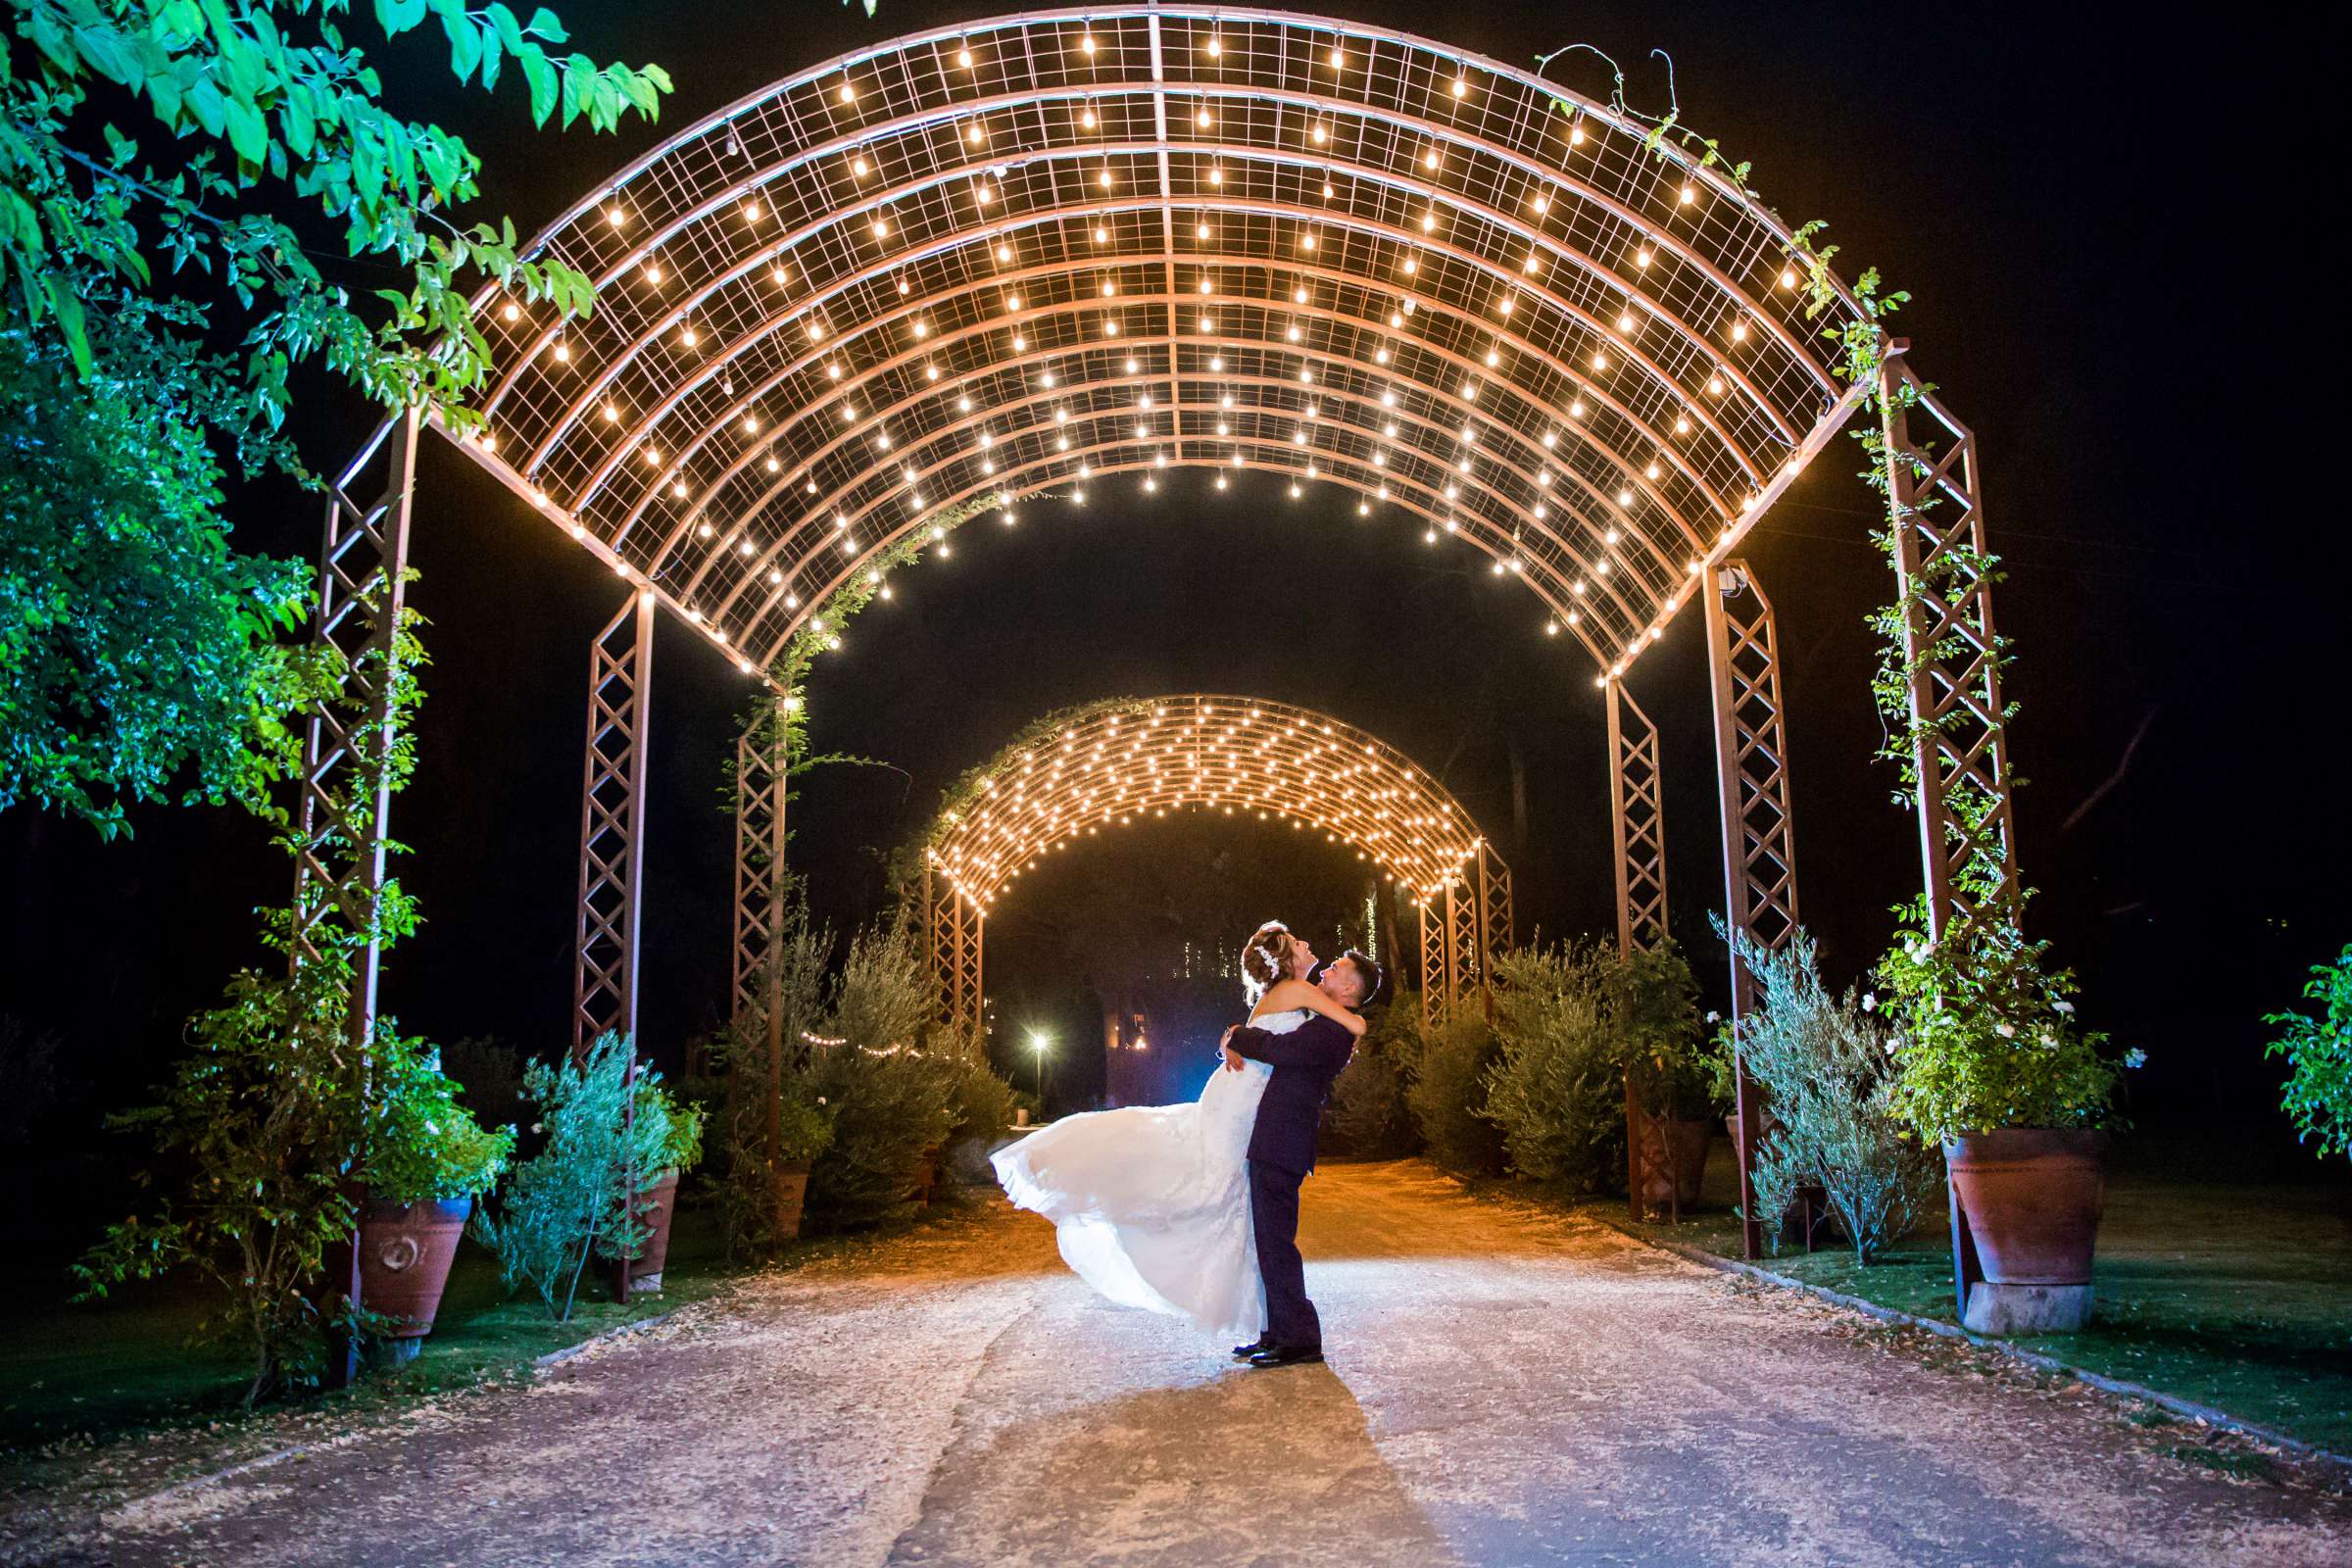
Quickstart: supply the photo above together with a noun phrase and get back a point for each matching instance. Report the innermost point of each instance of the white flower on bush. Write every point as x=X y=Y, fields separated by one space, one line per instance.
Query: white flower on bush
x=2007 y=1031
x=1714 y=1017
x=2135 y=1058
x=2066 y=1008
x=1870 y=1001
x=821 y=1100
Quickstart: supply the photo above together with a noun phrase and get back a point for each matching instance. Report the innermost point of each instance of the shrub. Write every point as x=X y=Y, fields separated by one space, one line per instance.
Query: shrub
x=1370 y=1113
x=889 y=1108
x=2317 y=1093
x=1984 y=1030
x=748 y=1081
x=420 y=1145
x=570 y=1200
x=681 y=1146
x=1564 y=1025
x=1824 y=1064
x=264 y=1112
x=979 y=1098
x=1449 y=1095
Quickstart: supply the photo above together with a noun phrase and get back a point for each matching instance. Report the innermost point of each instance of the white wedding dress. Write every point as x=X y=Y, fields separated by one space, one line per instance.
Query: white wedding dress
x=1151 y=1204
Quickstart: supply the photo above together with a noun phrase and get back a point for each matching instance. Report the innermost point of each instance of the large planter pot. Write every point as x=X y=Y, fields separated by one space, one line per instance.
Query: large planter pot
x=792 y=1198
x=2031 y=1196
x=1686 y=1154
x=404 y=1253
x=926 y=1175
x=653 y=1207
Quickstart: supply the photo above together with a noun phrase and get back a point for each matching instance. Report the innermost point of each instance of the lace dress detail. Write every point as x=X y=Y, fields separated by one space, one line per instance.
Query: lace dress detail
x=1151 y=1204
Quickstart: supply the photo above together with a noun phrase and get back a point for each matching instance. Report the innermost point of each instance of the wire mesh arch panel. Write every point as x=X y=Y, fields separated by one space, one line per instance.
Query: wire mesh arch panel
x=1033 y=252
x=621 y=664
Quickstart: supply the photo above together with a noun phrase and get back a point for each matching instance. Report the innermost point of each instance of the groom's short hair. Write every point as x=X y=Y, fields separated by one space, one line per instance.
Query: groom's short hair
x=1369 y=973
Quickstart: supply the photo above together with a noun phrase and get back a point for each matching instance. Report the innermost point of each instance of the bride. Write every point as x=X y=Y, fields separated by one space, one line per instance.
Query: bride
x=1151 y=1204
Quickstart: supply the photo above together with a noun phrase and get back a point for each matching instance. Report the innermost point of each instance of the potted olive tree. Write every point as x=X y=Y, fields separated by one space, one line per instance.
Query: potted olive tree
x=1990 y=1063
x=426 y=1161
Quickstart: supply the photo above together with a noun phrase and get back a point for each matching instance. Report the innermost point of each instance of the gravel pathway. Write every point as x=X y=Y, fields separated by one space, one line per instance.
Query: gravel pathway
x=1506 y=1385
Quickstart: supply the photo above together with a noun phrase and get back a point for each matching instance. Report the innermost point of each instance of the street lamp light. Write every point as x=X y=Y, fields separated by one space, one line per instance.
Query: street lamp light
x=1040 y=1044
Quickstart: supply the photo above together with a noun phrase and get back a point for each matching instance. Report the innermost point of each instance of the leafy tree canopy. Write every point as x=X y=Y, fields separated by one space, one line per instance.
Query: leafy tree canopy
x=152 y=312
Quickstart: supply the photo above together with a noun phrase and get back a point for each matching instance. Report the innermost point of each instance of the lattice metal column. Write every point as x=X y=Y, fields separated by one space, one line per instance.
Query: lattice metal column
x=1638 y=844
x=1936 y=512
x=1435 y=995
x=1759 y=856
x=1636 y=822
x=1937 y=515
x=1495 y=918
x=345 y=801
x=1465 y=939
x=621 y=669
x=763 y=782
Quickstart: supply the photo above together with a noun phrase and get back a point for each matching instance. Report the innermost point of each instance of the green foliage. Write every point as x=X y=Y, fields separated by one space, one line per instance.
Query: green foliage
x=1371 y=1115
x=266 y=1126
x=890 y=1109
x=681 y=1119
x=1985 y=1027
x=138 y=660
x=886 y=998
x=1448 y=1094
x=421 y=1145
x=265 y=1116
x=979 y=1098
x=750 y=1080
x=1825 y=1066
x=569 y=1199
x=1558 y=1088
x=135 y=646
x=2317 y=1093
x=269 y=107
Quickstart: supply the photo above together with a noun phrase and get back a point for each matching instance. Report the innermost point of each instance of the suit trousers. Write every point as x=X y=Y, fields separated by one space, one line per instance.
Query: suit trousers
x=1290 y=1320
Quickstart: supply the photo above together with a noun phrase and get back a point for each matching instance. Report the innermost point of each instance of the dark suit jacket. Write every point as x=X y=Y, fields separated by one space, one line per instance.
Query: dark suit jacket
x=1304 y=1060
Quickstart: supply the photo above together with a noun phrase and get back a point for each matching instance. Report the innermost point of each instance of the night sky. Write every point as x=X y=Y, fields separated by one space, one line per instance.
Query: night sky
x=2069 y=203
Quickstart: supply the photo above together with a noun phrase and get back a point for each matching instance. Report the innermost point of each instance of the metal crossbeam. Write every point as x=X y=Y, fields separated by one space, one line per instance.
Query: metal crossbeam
x=1936 y=512
x=1437 y=985
x=1759 y=855
x=620 y=665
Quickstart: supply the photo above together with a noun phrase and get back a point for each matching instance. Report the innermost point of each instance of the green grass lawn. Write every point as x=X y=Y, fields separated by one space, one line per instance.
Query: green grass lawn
x=126 y=1364
x=2211 y=1286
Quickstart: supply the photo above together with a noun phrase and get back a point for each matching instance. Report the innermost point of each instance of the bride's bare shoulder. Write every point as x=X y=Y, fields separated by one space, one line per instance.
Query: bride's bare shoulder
x=1284 y=995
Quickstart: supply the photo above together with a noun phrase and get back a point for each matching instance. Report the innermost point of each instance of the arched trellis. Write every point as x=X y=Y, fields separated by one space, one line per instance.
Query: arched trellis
x=1128 y=759
x=1042 y=250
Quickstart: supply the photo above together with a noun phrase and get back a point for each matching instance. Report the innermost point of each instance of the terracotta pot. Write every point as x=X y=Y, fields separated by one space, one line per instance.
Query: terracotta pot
x=404 y=1253
x=2032 y=1196
x=1688 y=1140
x=653 y=1208
x=926 y=1174
x=792 y=1198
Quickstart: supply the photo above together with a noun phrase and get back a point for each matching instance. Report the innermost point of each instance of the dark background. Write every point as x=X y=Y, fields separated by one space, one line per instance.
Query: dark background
x=2089 y=227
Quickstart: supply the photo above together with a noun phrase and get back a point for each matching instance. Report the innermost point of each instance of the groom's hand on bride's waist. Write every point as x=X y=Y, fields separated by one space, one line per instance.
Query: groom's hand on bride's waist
x=1233 y=1057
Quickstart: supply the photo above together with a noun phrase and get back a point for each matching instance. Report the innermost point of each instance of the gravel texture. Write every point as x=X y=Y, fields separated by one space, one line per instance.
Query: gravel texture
x=1506 y=1385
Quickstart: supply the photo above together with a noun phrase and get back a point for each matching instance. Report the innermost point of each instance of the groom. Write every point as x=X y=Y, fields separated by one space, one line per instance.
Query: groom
x=1281 y=1150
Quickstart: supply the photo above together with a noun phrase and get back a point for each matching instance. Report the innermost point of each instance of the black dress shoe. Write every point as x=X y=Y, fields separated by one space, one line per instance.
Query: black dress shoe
x=1287 y=1355
x=1243 y=1352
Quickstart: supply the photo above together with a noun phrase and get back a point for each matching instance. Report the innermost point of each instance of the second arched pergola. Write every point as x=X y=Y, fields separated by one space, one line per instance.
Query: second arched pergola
x=1125 y=761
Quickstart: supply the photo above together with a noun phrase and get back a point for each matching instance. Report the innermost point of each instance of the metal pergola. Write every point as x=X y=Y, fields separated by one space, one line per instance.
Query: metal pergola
x=1127 y=761
x=1036 y=254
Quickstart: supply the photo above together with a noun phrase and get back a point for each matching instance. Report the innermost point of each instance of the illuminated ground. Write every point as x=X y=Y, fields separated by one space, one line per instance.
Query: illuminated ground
x=1506 y=1385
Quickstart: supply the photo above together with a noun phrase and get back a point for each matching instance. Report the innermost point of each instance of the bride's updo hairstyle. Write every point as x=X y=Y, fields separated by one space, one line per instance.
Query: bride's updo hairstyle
x=1266 y=959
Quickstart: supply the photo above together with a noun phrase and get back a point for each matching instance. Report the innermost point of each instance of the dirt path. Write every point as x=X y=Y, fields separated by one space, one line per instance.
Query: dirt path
x=1506 y=1386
